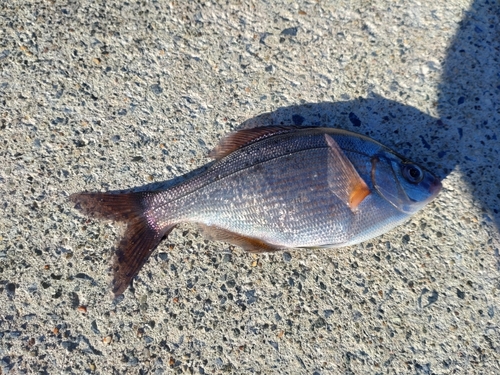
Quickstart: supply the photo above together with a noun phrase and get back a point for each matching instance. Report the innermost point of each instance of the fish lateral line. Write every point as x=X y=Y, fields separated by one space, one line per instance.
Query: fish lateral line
x=228 y=175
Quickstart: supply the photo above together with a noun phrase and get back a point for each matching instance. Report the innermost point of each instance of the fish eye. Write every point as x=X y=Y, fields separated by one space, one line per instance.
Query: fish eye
x=413 y=173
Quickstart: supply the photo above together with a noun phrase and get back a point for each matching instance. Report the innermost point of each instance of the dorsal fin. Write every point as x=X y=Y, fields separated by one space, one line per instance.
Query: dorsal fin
x=240 y=138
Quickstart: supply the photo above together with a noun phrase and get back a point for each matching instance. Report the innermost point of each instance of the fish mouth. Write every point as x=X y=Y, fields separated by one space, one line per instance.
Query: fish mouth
x=435 y=187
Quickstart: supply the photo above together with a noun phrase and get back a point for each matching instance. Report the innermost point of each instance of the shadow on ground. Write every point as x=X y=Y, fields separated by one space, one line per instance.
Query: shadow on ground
x=469 y=104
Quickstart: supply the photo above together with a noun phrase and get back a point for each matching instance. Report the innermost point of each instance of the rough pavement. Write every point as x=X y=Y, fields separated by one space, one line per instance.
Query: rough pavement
x=113 y=95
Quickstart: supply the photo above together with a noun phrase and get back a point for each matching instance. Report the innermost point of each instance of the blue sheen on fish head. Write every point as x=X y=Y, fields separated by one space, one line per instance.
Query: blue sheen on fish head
x=406 y=185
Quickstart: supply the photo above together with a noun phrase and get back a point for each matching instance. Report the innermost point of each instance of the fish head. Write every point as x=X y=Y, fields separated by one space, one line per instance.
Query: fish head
x=404 y=184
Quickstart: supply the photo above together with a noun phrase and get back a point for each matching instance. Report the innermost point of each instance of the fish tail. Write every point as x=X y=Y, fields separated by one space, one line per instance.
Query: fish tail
x=141 y=237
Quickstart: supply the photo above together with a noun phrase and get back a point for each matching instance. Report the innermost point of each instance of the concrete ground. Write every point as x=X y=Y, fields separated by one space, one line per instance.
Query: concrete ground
x=116 y=94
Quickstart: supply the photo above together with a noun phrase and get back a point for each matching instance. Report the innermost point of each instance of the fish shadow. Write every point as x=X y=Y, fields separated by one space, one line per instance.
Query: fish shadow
x=403 y=128
x=466 y=134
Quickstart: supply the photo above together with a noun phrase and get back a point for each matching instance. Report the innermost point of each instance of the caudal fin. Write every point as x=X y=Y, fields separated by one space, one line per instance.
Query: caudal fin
x=141 y=236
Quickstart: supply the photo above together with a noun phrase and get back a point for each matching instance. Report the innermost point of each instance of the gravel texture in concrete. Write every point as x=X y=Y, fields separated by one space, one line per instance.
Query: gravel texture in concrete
x=112 y=95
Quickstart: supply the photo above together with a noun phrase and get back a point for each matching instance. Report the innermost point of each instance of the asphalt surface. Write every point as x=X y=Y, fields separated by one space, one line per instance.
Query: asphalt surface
x=115 y=95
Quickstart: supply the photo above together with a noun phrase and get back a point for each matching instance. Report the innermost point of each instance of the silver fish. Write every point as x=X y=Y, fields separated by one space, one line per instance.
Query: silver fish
x=273 y=188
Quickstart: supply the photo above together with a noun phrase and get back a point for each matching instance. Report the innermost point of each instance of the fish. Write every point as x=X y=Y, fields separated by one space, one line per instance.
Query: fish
x=272 y=188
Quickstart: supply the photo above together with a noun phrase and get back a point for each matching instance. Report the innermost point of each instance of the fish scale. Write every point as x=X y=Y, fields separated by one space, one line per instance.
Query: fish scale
x=274 y=188
x=281 y=218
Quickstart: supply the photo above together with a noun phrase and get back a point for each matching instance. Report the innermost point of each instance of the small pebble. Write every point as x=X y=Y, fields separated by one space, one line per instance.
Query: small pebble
x=140 y=332
x=107 y=340
x=133 y=361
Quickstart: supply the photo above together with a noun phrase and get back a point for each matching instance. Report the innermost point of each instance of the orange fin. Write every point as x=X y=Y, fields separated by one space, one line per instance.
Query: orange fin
x=140 y=239
x=238 y=139
x=343 y=178
x=250 y=244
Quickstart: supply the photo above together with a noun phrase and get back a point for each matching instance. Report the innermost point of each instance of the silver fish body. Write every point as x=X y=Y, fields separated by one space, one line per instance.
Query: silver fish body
x=275 y=188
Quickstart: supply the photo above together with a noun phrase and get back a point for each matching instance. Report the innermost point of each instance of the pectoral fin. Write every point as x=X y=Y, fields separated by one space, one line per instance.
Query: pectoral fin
x=343 y=178
x=250 y=244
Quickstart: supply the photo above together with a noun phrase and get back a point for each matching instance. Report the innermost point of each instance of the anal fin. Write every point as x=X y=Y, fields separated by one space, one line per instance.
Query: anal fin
x=250 y=244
